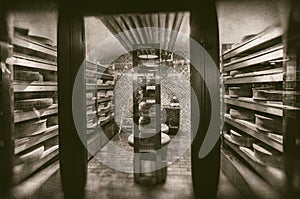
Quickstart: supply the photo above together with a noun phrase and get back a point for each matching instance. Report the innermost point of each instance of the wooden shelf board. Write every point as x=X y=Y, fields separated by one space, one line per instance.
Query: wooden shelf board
x=107 y=76
x=254 y=60
x=36 y=182
x=244 y=179
x=90 y=103
x=250 y=129
x=21 y=173
x=106 y=121
x=255 y=79
x=33 y=40
x=34 y=59
x=104 y=111
x=22 y=42
x=105 y=87
x=103 y=67
x=104 y=99
x=33 y=64
x=90 y=87
x=91 y=113
x=99 y=75
x=95 y=87
x=249 y=103
x=50 y=133
x=92 y=127
x=28 y=115
x=35 y=86
x=259 y=39
x=275 y=177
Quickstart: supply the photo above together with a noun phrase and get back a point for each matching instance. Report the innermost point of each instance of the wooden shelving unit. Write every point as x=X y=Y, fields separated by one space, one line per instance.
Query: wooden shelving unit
x=100 y=105
x=34 y=124
x=28 y=115
x=251 y=67
x=275 y=177
x=249 y=103
x=147 y=139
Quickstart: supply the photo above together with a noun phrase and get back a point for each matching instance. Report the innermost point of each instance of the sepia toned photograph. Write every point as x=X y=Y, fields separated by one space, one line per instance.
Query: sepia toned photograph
x=152 y=99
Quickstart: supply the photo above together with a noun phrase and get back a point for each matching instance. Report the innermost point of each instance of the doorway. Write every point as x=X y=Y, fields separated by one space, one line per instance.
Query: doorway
x=72 y=26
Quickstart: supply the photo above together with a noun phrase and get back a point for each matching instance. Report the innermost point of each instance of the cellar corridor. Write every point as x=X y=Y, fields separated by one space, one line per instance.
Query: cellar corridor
x=173 y=100
x=104 y=182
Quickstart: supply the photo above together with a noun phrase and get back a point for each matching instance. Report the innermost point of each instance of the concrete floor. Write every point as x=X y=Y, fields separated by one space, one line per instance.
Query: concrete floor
x=104 y=182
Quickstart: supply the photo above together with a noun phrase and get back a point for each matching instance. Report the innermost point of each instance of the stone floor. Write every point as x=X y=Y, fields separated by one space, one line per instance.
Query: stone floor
x=104 y=182
x=119 y=155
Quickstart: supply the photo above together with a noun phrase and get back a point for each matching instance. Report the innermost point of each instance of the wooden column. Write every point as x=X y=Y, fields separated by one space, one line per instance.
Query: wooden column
x=71 y=53
x=205 y=171
x=6 y=110
x=291 y=114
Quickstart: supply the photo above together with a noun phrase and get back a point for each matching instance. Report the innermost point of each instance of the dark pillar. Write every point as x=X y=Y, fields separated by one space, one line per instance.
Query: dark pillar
x=6 y=111
x=204 y=29
x=291 y=100
x=71 y=53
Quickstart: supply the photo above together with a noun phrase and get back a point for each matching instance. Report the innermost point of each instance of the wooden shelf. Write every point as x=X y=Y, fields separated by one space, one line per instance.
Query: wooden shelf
x=104 y=111
x=274 y=176
x=104 y=99
x=100 y=75
x=51 y=132
x=259 y=78
x=32 y=45
x=106 y=121
x=256 y=58
x=105 y=87
x=106 y=76
x=23 y=171
x=31 y=55
x=35 y=41
x=250 y=129
x=249 y=103
x=92 y=113
x=95 y=87
x=28 y=115
x=34 y=59
x=90 y=103
x=96 y=71
x=97 y=66
x=249 y=184
x=35 y=86
x=34 y=64
x=91 y=87
x=92 y=127
x=259 y=39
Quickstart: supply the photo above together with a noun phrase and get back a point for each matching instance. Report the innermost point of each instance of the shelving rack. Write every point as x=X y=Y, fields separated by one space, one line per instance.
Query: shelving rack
x=253 y=75
x=149 y=162
x=31 y=85
x=100 y=81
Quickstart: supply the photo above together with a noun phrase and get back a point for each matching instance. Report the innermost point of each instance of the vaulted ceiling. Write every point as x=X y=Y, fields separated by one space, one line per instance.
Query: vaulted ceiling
x=161 y=28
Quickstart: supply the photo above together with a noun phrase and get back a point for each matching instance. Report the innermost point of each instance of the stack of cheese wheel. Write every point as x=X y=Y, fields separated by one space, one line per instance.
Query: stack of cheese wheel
x=267 y=94
x=241 y=114
x=28 y=76
x=30 y=128
x=240 y=140
x=31 y=104
x=267 y=157
x=268 y=124
x=236 y=92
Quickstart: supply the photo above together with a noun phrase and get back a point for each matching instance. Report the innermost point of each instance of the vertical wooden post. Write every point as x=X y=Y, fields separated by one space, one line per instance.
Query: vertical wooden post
x=291 y=100
x=6 y=106
x=71 y=54
x=205 y=171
